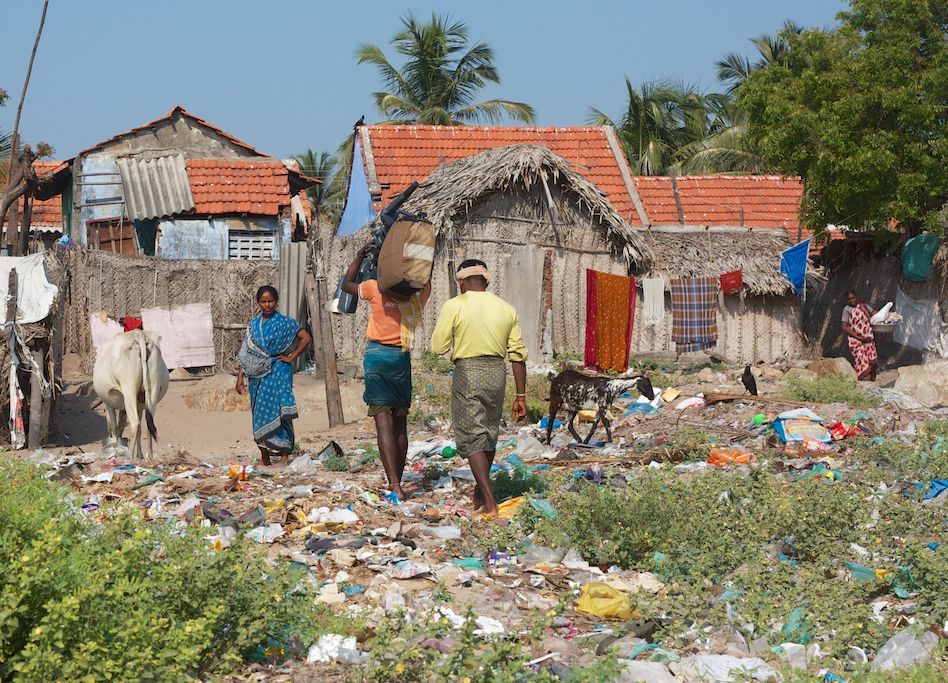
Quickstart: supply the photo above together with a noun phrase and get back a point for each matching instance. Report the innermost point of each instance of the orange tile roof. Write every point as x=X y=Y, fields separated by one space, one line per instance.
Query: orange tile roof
x=403 y=154
x=47 y=213
x=229 y=186
x=766 y=201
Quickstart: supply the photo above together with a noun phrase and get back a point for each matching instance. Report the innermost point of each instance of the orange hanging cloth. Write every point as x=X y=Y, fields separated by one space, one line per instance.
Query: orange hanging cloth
x=610 y=313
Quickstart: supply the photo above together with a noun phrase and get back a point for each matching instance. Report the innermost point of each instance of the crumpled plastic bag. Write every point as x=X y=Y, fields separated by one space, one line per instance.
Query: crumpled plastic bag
x=508 y=508
x=903 y=650
x=602 y=600
x=722 y=668
x=333 y=647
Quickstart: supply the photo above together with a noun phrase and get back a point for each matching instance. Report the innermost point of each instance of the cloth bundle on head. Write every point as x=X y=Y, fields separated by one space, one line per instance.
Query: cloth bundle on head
x=653 y=300
x=472 y=271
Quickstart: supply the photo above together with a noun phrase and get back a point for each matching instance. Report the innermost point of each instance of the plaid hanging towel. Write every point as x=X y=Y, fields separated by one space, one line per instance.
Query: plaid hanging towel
x=694 y=313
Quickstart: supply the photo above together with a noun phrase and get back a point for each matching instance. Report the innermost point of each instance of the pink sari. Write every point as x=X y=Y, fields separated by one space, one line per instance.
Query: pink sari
x=865 y=356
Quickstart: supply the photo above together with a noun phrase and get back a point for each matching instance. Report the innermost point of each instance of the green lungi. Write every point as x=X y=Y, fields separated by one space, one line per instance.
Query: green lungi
x=477 y=403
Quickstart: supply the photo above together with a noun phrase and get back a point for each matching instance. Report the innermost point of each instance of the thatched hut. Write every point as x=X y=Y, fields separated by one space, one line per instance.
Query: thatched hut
x=537 y=223
x=763 y=323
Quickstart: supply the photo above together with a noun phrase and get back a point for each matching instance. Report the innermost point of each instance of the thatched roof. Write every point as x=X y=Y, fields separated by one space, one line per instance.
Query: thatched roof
x=692 y=252
x=451 y=190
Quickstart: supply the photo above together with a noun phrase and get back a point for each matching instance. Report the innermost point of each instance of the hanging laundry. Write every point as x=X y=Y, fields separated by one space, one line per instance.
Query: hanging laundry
x=694 y=313
x=732 y=282
x=920 y=321
x=917 y=256
x=793 y=265
x=653 y=300
x=610 y=313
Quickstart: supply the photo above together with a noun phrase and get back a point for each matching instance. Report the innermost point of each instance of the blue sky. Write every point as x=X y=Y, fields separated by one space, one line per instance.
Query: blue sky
x=282 y=74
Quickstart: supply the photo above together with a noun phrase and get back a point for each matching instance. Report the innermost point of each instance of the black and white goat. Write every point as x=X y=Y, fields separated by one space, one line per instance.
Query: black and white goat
x=573 y=391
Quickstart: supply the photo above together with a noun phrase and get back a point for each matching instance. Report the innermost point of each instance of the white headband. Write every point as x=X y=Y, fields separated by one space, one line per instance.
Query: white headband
x=472 y=271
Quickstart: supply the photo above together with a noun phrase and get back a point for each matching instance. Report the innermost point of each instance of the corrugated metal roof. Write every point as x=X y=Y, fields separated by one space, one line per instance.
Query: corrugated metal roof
x=155 y=187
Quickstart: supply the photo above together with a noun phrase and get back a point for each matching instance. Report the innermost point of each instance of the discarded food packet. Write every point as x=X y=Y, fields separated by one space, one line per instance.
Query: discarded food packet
x=501 y=562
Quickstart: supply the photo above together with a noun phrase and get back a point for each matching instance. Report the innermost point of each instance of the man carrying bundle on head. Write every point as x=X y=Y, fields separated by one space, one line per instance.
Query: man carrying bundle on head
x=480 y=330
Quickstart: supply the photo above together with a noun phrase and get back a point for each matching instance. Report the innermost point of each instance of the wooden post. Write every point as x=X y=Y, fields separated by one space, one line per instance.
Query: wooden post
x=315 y=295
x=11 y=302
x=35 y=432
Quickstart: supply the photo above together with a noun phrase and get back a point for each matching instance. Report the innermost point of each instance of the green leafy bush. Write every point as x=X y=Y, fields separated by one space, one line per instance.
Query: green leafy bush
x=516 y=482
x=827 y=389
x=132 y=600
x=337 y=463
x=435 y=364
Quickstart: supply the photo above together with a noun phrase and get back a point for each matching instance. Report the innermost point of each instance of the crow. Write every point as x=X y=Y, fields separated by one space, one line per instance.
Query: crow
x=360 y=122
x=748 y=380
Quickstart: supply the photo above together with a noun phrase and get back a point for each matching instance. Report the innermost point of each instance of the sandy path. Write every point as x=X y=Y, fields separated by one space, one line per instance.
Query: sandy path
x=213 y=436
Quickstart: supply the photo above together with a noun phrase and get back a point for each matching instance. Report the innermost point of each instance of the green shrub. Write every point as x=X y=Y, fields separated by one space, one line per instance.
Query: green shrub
x=337 y=463
x=132 y=600
x=516 y=482
x=827 y=389
x=435 y=364
x=394 y=656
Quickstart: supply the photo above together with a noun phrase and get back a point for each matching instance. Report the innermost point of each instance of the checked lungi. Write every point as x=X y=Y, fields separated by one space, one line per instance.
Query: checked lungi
x=477 y=403
x=694 y=313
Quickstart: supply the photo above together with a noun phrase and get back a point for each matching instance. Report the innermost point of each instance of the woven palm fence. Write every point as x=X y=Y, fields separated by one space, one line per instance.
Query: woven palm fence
x=123 y=285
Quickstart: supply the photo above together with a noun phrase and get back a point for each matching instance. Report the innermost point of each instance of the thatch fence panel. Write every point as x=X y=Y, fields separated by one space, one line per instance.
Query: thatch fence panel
x=123 y=285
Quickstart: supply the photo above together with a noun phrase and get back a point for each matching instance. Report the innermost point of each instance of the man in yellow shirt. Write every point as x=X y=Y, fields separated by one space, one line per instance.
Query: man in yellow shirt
x=483 y=330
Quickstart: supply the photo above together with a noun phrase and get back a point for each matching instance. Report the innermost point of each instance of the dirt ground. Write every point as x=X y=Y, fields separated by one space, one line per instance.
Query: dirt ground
x=214 y=437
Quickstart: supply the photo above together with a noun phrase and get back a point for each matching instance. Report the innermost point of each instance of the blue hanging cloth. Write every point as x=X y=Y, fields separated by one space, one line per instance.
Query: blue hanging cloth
x=793 y=265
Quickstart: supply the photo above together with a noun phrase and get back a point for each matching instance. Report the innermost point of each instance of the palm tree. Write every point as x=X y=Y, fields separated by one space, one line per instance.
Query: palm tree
x=441 y=77
x=660 y=119
x=319 y=165
x=735 y=69
x=721 y=148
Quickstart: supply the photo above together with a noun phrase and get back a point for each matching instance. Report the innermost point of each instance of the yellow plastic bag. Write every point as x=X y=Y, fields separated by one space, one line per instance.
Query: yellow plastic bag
x=602 y=600
x=508 y=508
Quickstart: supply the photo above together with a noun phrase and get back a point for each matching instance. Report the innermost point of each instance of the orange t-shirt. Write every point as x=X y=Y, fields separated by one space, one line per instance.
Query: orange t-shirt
x=385 y=322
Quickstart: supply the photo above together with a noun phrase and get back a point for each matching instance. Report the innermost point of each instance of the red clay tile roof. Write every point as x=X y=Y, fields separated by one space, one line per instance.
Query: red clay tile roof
x=46 y=212
x=177 y=109
x=404 y=154
x=767 y=201
x=231 y=186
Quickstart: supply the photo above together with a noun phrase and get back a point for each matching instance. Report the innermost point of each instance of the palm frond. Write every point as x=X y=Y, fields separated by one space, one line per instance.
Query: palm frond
x=493 y=110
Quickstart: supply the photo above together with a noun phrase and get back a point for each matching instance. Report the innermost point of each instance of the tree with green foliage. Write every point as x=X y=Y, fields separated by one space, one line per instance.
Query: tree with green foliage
x=441 y=77
x=660 y=119
x=321 y=165
x=860 y=113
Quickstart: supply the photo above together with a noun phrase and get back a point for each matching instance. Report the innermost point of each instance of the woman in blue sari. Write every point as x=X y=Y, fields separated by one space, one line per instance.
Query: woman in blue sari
x=271 y=345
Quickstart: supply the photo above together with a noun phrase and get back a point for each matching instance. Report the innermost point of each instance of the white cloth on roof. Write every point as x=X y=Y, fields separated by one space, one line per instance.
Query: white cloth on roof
x=653 y=299
x=35 y=294
x=920 y=321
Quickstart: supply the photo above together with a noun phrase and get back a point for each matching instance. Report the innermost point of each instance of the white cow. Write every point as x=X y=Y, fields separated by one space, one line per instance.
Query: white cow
x=131 y=377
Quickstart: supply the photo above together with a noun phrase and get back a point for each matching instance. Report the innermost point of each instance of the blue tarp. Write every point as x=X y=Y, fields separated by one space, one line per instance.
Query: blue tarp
x=793 y=264
x=358 y=210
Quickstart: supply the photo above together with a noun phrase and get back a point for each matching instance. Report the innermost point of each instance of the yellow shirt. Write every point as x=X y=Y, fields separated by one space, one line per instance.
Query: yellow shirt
x=478 y=324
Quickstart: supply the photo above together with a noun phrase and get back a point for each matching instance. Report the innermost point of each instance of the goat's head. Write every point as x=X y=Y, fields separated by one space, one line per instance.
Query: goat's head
x=640 y=383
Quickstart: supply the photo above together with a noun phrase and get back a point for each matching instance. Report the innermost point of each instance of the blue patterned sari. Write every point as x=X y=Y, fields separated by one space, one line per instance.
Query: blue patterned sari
x=270 y=383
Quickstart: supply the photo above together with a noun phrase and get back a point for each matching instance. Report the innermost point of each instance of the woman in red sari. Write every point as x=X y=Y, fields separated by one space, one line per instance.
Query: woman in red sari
x=862 y=344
